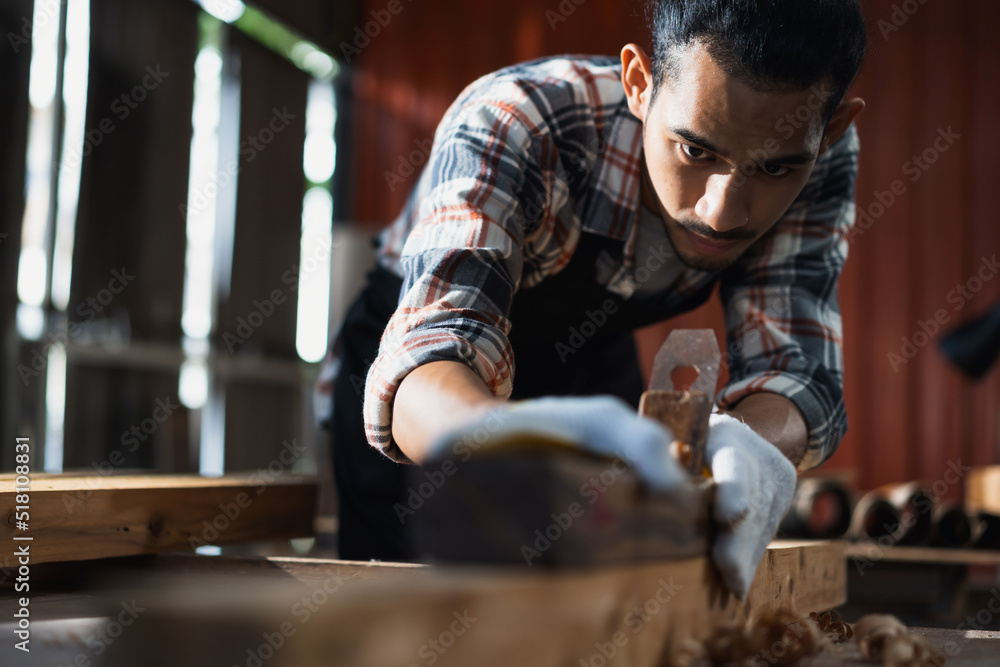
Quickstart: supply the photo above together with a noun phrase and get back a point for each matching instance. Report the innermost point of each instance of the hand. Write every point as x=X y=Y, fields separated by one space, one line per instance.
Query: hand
x=754 y=487
x=600 y=424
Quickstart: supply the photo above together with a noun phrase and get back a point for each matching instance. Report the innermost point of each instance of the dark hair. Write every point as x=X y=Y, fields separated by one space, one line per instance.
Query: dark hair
x=767 y=44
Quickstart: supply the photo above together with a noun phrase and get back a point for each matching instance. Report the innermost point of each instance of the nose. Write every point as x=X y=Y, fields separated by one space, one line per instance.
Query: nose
x=725 y=205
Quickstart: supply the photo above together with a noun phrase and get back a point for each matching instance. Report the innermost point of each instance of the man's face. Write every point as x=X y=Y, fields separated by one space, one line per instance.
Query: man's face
x=723 y=161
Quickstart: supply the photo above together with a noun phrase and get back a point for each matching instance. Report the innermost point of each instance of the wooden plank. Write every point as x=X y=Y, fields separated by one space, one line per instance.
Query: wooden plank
x=135 y=175
x=309 y=571
x=982 y=490
x=485 y=616
x=257 y=310
x=79 y=518
x=867 y=552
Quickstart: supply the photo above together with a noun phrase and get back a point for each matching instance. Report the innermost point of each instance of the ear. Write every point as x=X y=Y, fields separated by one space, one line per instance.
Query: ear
x=843 y=116
x=637 y=80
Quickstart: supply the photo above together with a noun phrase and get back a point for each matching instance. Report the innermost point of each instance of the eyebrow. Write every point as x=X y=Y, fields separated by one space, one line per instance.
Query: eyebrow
x=793 y=159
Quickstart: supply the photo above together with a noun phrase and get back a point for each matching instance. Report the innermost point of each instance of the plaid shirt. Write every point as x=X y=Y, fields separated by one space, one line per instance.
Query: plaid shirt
x=528 y=158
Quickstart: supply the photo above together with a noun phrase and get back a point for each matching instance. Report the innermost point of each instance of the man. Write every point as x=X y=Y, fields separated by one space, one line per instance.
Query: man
x=586 y=190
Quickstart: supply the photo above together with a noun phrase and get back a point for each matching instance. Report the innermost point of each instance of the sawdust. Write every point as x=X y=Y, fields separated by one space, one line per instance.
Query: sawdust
x=783 y=637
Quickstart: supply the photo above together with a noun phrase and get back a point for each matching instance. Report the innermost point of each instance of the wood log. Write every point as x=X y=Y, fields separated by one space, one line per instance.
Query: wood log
x=915 y=504
x=903 y=512
x=821 y=509
x=951 y=528
x=84 y=517
x=874 y=517
x=985 y=530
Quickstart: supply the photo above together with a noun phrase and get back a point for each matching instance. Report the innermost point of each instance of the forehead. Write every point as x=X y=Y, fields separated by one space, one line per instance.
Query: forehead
x=701 y=97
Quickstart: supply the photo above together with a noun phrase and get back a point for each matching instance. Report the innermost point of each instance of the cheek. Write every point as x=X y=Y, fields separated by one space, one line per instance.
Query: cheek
x=675 y=186
x=774 y=201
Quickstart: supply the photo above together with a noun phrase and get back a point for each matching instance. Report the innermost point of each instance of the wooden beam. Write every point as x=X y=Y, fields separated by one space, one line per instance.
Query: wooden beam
x=982 y=491
x=872 y=552
x=85 y=517
x=466 y=616
x=130 y=235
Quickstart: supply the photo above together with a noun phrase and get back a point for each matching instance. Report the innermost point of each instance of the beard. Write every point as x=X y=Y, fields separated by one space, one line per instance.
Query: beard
x=675 y=230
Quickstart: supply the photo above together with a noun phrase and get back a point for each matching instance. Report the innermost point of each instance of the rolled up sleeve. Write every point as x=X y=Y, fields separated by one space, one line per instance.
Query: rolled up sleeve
x=784 y=332
x=464 y=259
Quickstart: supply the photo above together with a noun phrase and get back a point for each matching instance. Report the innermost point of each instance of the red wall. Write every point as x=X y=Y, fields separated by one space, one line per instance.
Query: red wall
x=936 y=71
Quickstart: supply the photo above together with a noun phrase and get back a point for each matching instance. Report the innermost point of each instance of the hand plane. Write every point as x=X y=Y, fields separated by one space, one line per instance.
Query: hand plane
x=538 y=502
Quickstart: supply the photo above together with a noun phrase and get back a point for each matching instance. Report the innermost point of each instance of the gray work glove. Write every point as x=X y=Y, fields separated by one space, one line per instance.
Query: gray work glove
x=600 y=424
x=755 y=483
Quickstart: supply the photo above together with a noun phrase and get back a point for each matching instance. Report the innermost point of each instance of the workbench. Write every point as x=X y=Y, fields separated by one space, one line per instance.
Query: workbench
x=199 y=610
x=382 y=614
x=146 y=608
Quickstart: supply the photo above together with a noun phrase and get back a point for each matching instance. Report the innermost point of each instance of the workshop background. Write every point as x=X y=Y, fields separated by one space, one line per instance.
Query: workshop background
x=188 y=191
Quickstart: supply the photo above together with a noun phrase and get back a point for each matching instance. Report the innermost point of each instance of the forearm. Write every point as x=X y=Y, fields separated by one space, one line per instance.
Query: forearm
x=434 y=399
x=777 y=420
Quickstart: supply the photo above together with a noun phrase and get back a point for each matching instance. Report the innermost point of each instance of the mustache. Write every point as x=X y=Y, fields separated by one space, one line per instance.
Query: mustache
x=701 y=229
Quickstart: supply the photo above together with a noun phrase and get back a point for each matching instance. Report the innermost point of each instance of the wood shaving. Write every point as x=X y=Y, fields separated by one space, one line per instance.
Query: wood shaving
x=689 y=653
x=782 y=637
x=829 y=621
x=883 y=638
x=776 y=637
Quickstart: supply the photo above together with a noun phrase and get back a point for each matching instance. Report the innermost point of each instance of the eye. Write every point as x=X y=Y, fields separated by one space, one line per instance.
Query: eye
x=775 y=170
x=693 y=152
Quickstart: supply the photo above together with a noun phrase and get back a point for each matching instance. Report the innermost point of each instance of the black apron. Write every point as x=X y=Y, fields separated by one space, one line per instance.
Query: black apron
x=570 y=337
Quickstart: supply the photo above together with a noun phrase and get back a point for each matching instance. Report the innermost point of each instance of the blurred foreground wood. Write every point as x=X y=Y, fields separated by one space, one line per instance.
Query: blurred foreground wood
x=982 y=491
x=92 y=516
x=304 y=612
